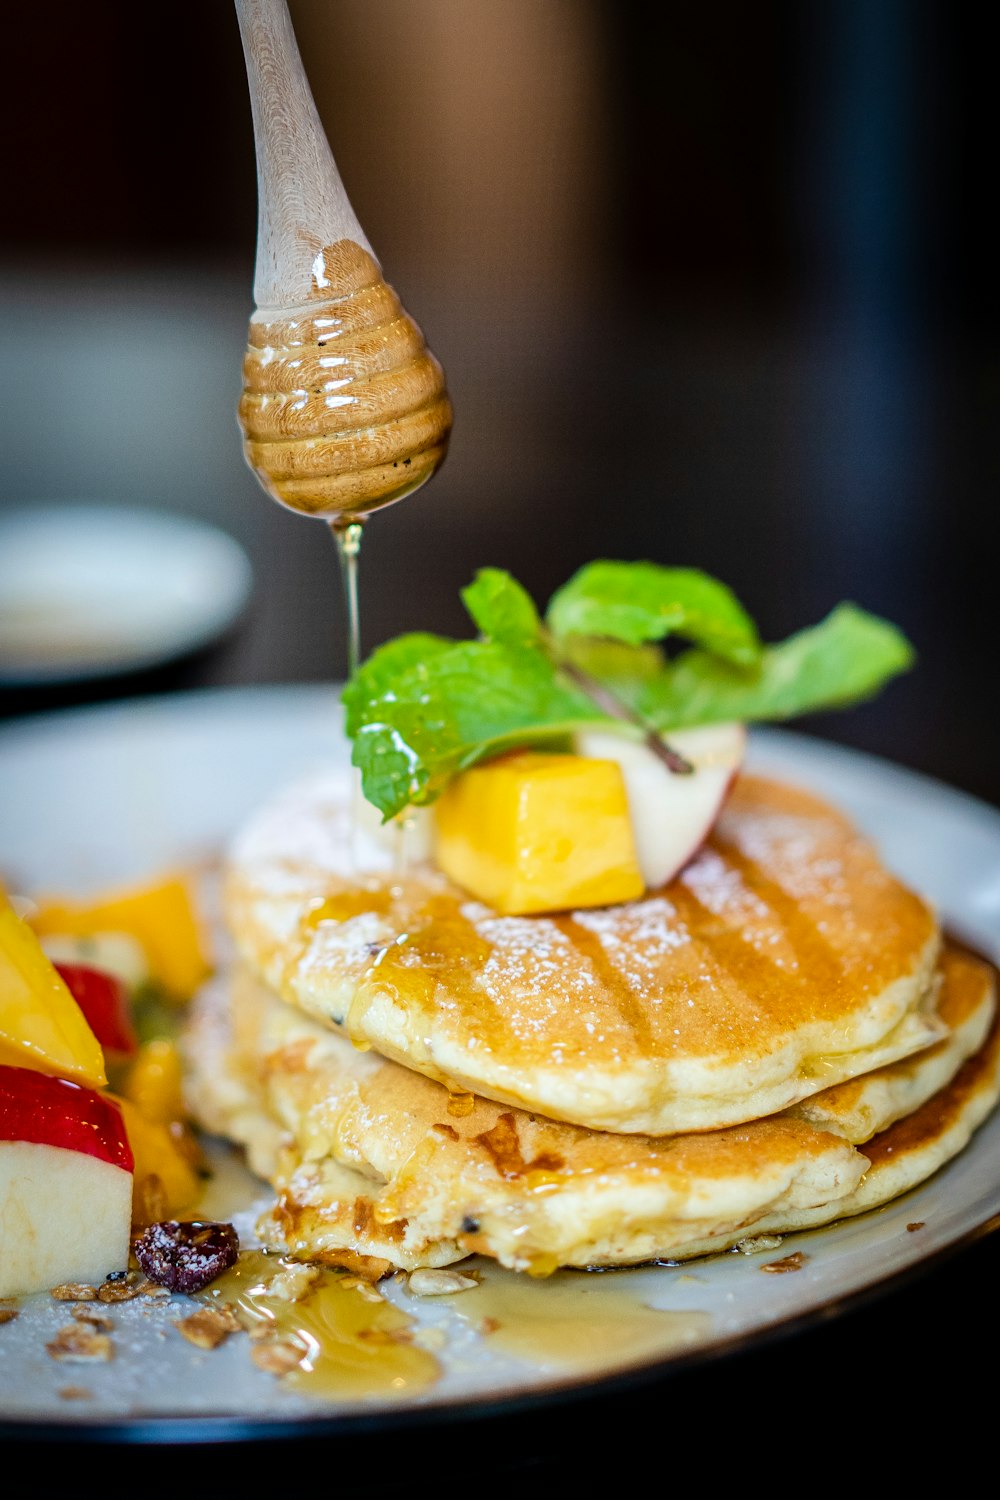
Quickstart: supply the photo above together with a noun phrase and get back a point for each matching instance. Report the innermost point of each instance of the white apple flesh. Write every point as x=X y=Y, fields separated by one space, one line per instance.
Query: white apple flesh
x=64 y=1217
x=672 y=813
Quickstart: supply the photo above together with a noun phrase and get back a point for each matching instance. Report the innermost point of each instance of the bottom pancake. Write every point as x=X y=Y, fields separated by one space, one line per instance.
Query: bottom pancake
x=369 y=1159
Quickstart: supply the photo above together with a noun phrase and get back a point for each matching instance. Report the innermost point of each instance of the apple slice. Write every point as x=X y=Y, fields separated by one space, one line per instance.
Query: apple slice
x=65 y=1183
x=672 y=814
x=105 y=1002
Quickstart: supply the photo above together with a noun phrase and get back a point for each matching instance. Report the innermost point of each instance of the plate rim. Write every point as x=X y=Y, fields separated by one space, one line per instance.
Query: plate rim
x=196 y=1430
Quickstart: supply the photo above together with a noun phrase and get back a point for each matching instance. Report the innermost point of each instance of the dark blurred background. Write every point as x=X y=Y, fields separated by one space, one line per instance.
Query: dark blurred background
x=711 y=284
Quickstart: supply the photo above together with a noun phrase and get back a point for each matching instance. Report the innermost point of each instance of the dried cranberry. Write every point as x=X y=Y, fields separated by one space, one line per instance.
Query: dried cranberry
x=186 y=1256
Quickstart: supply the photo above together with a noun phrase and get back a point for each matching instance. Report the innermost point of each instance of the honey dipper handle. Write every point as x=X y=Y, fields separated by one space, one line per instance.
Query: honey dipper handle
x=301 y=202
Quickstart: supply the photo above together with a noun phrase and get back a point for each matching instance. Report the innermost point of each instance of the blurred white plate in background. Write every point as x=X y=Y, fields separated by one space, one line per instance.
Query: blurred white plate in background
x=95 y=590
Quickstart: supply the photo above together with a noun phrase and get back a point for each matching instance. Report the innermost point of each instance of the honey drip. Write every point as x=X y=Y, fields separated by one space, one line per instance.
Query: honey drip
x=354 y=1344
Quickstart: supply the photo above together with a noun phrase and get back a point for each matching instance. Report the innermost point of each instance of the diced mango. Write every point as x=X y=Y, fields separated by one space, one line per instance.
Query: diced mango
x=41 y=1025
x=162 y=915
x=534 y=832
x=165 y=1182
x=154 y=1081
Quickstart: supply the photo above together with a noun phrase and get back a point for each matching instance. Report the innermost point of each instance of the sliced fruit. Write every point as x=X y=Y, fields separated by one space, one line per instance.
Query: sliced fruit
x=65 y=1183
x=166 y=1183
x=534 y=832
x=671 y=814
x=154 y=1081
x=105 y=1002
x=117 y=953
x=41 y=1025
x=162 y=915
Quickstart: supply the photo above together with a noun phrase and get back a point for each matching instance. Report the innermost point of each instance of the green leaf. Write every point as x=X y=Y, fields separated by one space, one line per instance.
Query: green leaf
x=642 y=601
x=463 y=704
x=501 y=608
x=379 y=673
x=845 y=659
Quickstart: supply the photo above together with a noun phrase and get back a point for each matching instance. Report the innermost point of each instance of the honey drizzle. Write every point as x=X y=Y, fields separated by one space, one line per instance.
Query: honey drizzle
x=574 y=1320
x=354 y=1343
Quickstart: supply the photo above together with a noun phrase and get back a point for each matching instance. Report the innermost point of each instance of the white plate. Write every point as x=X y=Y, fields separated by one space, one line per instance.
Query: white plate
x=90 y=591
x=103 y=795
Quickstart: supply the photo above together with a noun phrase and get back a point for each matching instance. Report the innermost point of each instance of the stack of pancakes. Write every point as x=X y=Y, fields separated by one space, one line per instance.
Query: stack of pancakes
x=777 y=1039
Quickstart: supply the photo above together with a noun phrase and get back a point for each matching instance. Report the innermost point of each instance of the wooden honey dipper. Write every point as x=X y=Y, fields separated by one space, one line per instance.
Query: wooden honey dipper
x=344 y=408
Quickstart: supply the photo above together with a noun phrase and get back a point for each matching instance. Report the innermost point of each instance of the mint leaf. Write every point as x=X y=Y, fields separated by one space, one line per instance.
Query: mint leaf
x=501 y=608
x=464 y=703
x=845 y=659
x=377 y=675
x=642 y=601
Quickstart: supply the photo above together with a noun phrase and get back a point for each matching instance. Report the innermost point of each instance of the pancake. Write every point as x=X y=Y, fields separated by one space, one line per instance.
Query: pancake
x=369 y=1158
x=862 y=1106
x=784 y=959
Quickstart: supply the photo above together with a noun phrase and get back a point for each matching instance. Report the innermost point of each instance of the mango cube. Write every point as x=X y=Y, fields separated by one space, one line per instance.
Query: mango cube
x=534 y=832
x=160 y=915
x=41 y=1025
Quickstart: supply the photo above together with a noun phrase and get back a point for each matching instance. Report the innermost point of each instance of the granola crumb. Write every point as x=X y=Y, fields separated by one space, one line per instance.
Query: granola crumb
x=276 y=1356
x=439 y=1283
x=75 y=1393
x=755 y=1243
x=74 y=1291
x=153 y=1289
x=917 y=1224
x=793 y=1262
x=365 y=1289
x=489 y=1325
x=209 y=1326
x=76 y=1344
x=8 y=1314
x=99 y=1322
x=293 y=1282
x=120 y=1287
x=149 y=1200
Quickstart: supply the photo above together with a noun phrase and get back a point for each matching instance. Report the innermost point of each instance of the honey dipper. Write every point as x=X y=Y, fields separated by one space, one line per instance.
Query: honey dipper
x=343 y=408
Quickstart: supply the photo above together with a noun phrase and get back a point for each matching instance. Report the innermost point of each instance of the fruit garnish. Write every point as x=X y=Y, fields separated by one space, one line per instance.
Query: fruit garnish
x=186 y=1256
x=671 y=816
x=161 y=914
x=154 y=1080
x=41 y=1025
x=532 y=832
x=65 y=1183
x=105 y=1002
x=164 y=1175
x=423 y=708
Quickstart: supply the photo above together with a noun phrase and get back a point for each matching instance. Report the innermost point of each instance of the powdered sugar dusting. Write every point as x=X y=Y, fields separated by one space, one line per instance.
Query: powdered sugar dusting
x=637 y=937
x=721 y=889
x=795 y=851
x=530 y=955
x=304 y=828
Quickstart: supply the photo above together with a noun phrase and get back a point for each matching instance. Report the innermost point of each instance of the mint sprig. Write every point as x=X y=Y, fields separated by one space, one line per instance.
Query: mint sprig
x=423 y=707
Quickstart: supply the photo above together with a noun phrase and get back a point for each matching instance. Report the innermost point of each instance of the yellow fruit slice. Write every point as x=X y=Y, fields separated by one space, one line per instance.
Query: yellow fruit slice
x=162 y=915
x=154 y=1081
x=534 y=832
x=41 y=1025
x=157 y=1156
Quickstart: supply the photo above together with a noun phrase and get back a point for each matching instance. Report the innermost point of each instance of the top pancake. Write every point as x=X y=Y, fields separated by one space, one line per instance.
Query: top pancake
x=784 y=959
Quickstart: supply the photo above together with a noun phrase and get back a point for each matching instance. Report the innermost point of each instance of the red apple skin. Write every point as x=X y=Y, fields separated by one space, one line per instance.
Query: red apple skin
x=104 y=1000
x=54 y=1112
